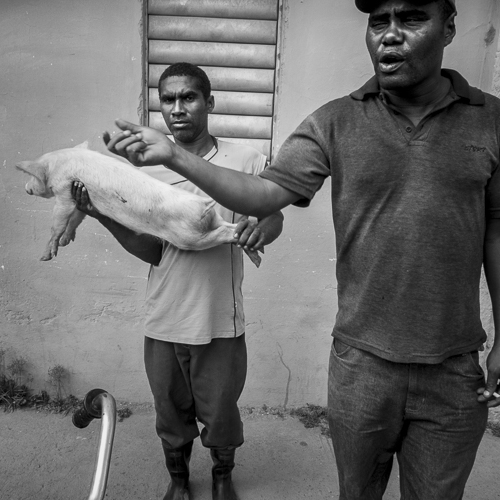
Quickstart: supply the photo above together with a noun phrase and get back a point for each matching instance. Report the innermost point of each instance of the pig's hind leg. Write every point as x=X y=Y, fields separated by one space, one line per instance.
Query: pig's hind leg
x=61 y=215
x=222 y=232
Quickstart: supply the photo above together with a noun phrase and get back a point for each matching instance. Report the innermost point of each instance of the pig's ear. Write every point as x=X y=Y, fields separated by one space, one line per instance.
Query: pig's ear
x=33 y=168
x=83 y=145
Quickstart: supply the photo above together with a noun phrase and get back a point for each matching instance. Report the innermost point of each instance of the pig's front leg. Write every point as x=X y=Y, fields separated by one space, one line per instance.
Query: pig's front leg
x=74 y=221
x=61 y=215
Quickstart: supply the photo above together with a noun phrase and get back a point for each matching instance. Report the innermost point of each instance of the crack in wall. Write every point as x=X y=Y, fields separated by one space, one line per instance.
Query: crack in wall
x=287 y=390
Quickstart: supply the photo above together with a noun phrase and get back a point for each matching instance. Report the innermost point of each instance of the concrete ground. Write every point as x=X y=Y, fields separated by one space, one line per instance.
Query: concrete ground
x=43 y=456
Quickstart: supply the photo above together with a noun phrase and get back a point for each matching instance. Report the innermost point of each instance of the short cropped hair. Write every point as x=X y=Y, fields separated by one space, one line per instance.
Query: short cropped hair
x=188 y=69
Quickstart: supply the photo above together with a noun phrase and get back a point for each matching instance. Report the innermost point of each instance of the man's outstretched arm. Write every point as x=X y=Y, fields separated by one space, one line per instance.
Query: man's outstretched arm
x=243 y=193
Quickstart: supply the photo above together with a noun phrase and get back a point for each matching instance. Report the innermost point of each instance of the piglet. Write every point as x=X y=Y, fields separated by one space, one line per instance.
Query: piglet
x=127 y=195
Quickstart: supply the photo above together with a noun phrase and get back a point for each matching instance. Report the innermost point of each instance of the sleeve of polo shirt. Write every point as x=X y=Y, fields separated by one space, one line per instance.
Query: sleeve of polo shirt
x=493 y=195
x=302 y=164
x=259 y=164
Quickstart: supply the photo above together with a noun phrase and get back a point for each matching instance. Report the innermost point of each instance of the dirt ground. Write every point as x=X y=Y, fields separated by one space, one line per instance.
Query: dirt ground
x=44 y=457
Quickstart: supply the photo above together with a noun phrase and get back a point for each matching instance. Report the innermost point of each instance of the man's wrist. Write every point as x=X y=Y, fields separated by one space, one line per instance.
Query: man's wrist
x=173 y=160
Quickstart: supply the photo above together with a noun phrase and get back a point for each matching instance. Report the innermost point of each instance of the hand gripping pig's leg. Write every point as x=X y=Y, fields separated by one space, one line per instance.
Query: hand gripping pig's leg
x=217 y=229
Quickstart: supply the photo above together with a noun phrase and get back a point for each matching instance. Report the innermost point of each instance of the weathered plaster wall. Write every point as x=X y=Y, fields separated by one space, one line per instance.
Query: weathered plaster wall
x=68 y=69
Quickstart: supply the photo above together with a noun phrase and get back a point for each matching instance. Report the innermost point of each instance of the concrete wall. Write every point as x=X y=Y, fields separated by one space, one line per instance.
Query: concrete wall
x=68 y=69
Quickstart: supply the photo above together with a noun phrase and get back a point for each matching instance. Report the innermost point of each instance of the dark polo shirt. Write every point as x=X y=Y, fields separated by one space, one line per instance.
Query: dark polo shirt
x=409 y=209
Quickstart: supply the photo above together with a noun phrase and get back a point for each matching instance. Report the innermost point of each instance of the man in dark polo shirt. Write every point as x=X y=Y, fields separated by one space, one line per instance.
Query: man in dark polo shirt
x=413 y=158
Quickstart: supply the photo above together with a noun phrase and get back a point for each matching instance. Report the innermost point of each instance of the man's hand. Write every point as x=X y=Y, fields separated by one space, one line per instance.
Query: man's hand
x=489 y=394
x=141 y=146
x=81 y=196
x=249 y=236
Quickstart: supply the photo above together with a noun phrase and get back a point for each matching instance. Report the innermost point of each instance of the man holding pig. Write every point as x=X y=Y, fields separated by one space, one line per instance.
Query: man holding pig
x=194 y=350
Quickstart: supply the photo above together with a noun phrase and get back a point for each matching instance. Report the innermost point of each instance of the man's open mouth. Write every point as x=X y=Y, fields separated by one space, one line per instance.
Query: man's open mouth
x=390 y=62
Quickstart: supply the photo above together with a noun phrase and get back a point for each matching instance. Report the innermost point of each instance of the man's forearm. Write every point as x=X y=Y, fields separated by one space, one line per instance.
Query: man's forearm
x=492 y=268
x=492 y=272
x=243 y=193
x=143 y=246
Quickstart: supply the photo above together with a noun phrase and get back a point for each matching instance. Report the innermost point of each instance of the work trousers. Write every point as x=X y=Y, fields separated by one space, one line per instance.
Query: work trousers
x=197 y=382
x=428 y=415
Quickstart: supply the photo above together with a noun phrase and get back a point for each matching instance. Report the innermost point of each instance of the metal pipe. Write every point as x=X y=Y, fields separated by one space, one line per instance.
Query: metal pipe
x=100 y=480
x=99 y=404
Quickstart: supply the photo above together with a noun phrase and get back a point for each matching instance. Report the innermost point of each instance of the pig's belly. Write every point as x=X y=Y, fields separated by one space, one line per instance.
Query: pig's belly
x=187 y=222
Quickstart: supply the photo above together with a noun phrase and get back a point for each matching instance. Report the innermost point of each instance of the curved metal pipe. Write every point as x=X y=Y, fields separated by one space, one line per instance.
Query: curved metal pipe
x=99 y=404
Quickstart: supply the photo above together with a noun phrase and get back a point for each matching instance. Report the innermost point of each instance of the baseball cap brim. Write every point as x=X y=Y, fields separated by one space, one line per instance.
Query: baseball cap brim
x=368 y=5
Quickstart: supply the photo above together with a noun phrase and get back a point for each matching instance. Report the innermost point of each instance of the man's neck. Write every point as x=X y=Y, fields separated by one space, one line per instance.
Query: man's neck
x=416 y=104
x=200 y=146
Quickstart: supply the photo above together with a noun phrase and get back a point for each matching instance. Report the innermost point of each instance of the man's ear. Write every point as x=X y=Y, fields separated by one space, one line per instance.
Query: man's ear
x=450 y=29
x=38 y=170
x=211 y=103
x=83 y=145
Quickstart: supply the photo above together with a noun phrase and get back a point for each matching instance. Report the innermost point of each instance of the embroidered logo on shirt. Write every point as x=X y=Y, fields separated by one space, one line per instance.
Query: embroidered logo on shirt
x=475 y=149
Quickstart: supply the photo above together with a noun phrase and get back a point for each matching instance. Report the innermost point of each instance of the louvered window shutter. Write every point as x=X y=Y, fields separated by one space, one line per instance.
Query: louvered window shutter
x=234 y=42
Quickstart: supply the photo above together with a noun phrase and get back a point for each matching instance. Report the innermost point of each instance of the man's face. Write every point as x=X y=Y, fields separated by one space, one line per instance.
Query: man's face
x=406 y=43
x=184 y=108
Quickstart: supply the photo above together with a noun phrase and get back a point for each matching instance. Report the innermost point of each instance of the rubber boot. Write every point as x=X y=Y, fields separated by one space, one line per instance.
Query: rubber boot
x=222 y=484
x=177 y=461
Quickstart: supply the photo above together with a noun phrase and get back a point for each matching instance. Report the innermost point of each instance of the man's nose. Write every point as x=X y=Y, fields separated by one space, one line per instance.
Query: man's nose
x=177 y=108
x=393 y=35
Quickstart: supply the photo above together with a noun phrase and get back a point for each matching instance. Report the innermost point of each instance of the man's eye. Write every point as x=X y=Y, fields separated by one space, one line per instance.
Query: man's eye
x=413 y=19
x=190 y=98
x=378 y=24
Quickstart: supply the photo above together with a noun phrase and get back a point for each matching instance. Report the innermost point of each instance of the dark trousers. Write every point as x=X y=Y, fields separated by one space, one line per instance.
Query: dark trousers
x=426 y=415
x=197 y=382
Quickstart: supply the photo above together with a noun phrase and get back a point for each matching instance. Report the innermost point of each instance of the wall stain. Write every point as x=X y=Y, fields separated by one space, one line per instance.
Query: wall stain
x=490 y=36
x=18 y=317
